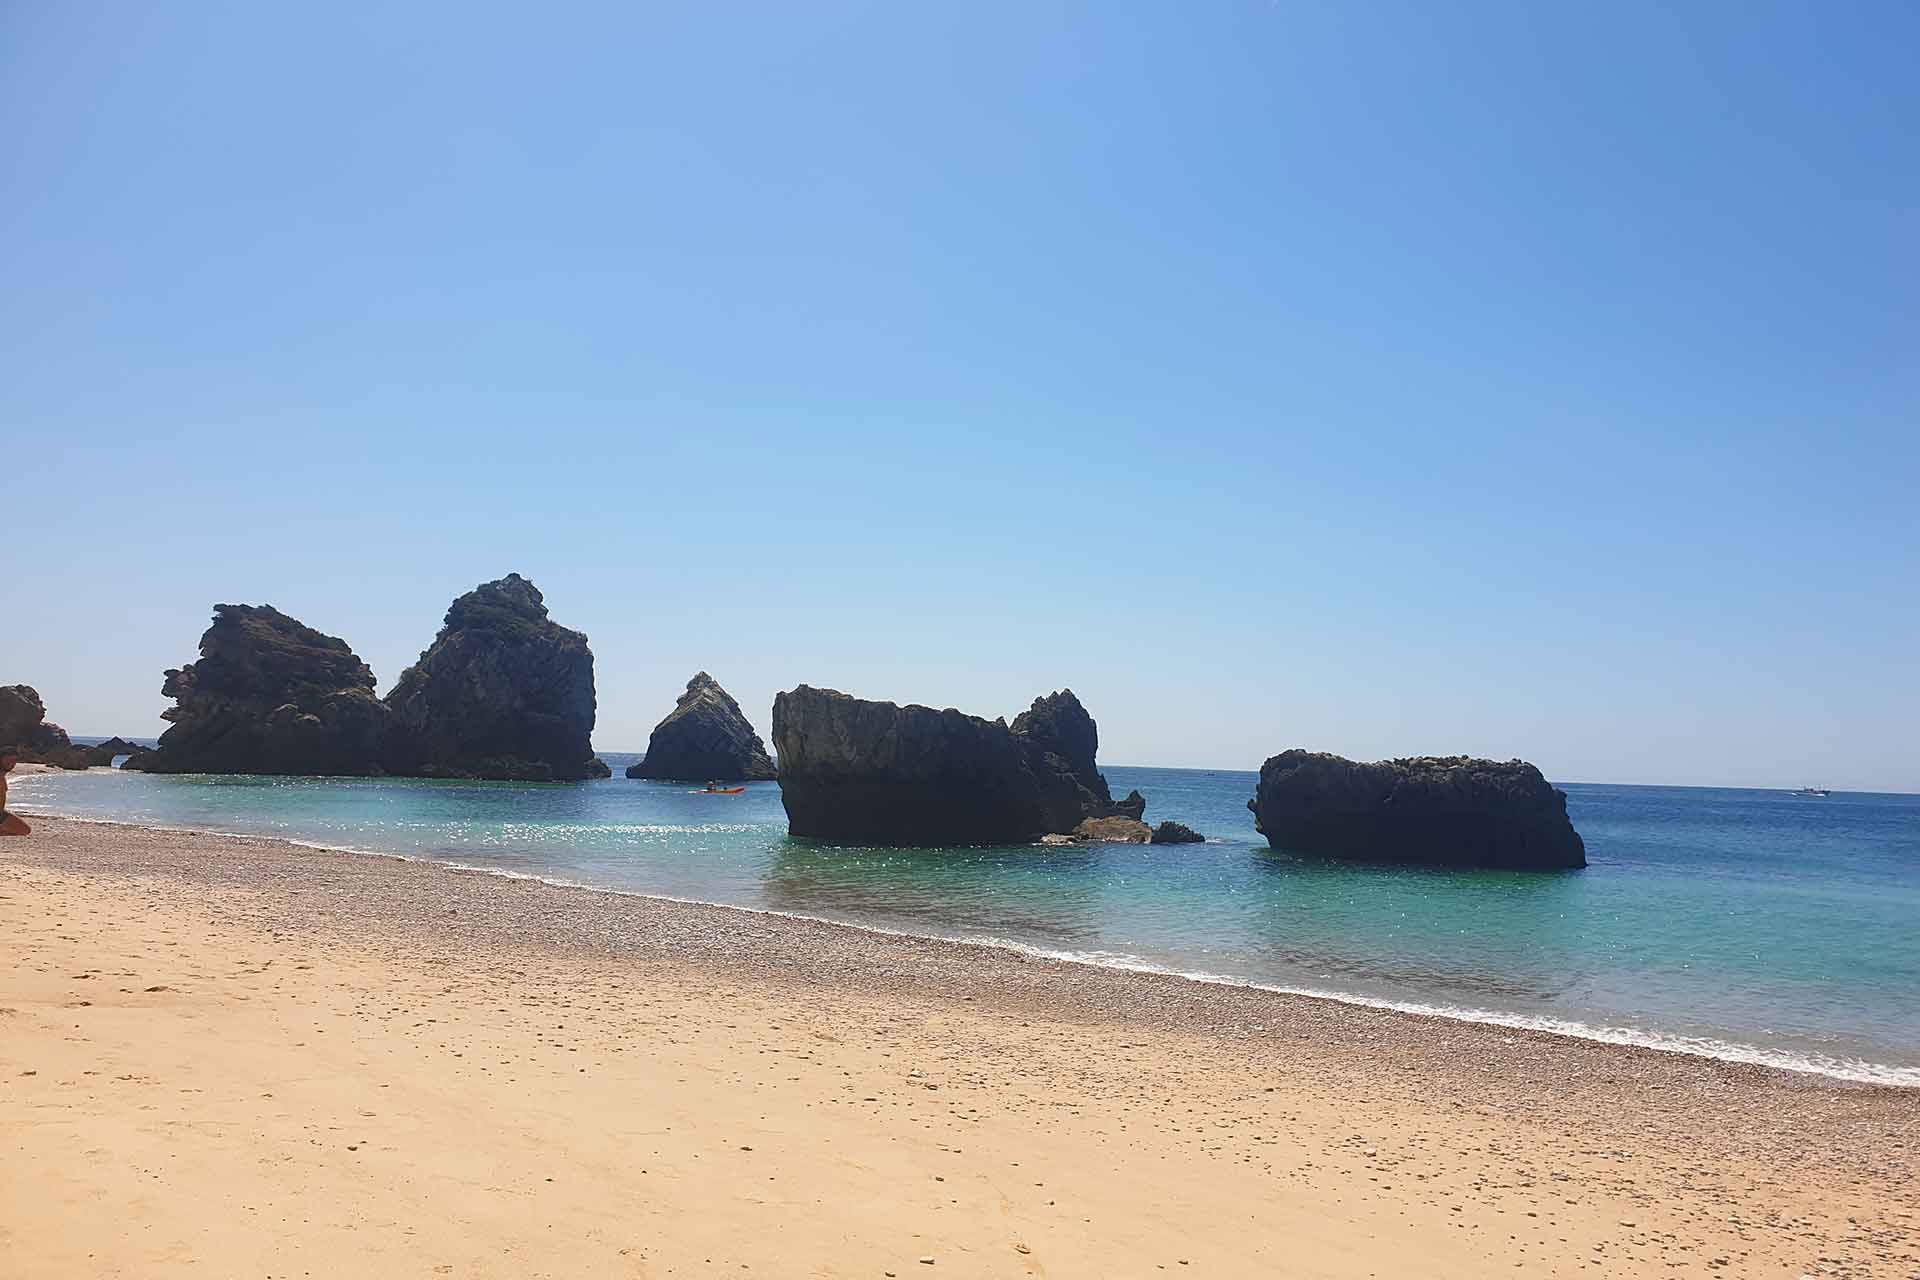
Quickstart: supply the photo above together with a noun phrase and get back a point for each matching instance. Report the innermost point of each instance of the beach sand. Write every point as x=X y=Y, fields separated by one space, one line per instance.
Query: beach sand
x=225 y=1057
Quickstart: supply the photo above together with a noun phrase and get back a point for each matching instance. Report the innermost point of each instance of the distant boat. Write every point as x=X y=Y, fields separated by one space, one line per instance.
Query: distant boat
x=1811 y=791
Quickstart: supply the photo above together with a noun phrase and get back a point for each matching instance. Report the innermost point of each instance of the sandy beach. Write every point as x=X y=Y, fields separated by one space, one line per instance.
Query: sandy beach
x=242 y=1057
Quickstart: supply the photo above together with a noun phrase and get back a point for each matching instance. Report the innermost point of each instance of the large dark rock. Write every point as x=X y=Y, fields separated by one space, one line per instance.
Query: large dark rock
x=270 y=695
x=502 y=692
x=1176 y=833
x=878 y=773
x=1442 y=810
x=24 y=726
x=1060 y=740
x=705 y=738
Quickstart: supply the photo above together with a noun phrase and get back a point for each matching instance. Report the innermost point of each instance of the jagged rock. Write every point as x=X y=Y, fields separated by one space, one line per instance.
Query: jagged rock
x=1134 y=806
x=1176 y=833
x=598 y=768
x=1118 y=830
x=270 y=695
x=705 y=737
x=1060 y=740
x=24 y=726
x=879 y=773
x=137 y=761
x=501 y=693
x=1441 y=810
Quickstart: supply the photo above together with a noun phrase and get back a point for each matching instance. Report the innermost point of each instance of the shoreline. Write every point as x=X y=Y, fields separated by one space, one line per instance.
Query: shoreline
x=1712 y=1049
x=398 y=1066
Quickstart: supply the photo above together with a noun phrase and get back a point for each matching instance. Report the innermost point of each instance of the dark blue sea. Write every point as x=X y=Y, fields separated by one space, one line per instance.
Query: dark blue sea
x=1753 y=925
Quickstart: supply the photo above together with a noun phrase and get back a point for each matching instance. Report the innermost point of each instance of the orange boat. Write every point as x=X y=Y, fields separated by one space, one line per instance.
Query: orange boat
x=717 y=791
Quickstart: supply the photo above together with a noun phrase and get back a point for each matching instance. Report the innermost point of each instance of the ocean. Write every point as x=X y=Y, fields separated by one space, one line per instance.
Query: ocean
x=1750 y=925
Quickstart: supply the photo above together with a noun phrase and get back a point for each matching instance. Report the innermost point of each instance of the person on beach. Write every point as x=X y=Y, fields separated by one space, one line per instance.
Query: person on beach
x=10 y=825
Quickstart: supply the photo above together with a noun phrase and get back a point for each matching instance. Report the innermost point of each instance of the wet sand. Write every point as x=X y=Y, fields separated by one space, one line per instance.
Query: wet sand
x=244 y=1057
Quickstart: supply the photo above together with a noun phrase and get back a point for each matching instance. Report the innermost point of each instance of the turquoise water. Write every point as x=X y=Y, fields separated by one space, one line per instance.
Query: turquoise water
x=1752 y=925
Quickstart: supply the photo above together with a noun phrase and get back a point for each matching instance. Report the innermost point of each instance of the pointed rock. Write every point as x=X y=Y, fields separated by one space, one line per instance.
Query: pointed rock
x=502 y=692
x=705 y=737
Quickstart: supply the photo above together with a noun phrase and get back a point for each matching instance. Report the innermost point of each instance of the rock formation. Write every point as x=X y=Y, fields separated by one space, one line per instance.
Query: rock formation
x=1115 y=830
x=502 y=692
x=875 y=772
x=705 y=737
x=1060 y=740
x=25 y=727
x=1176 y=833
x=1442 y=810
x=598 y=768
x=270 y=695
x=104 y=753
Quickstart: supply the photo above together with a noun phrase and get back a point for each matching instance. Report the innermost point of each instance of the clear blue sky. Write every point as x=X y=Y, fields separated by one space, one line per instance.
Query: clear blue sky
x=1514 y=379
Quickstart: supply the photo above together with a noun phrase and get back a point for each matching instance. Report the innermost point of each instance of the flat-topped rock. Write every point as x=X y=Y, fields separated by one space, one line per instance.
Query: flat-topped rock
x=1451 y=811
x=1116 y=830
x=271 y=695
x=705 y=737
x=879 y=773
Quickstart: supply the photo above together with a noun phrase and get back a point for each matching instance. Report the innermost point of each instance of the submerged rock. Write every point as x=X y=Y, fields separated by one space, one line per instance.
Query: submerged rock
x=705 y=737
x=1440 y=810
x=270 y=694
x=876 y=772
x=1176 y=833
x=503 y=693
x=25 y=727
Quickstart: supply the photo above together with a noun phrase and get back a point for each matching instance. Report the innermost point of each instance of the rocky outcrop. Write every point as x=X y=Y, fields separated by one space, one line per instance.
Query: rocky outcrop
x=1134 y=806
x=137 y=761
x=598 y=768
x=503 y=692
x=271 y=695
x=1060 y=741
x=1118 y=830
x=1440 y=810
x=1176 y=833
x=705 y=737
x=24 y=726
x=105 y=753
x=878 y=773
